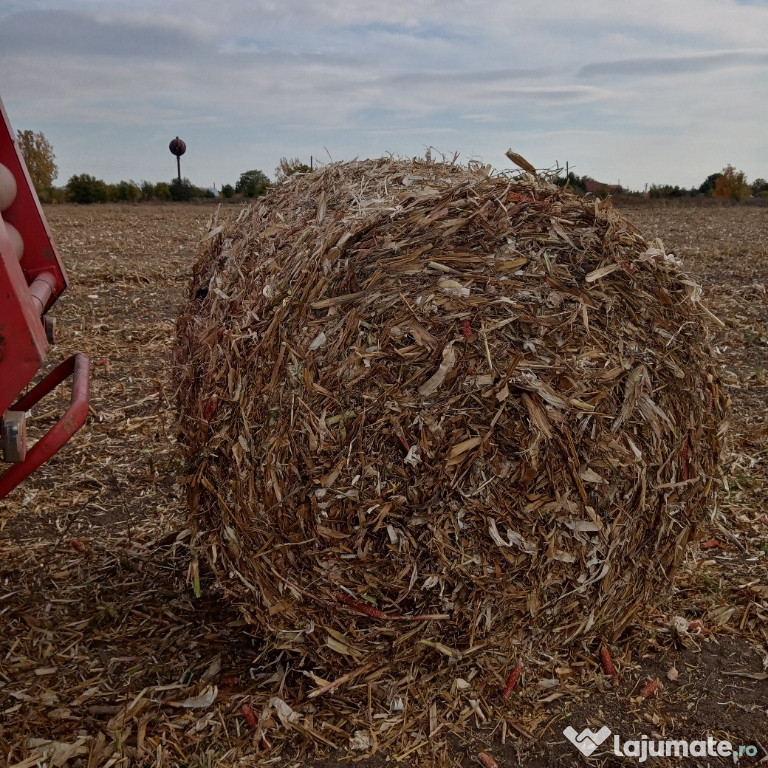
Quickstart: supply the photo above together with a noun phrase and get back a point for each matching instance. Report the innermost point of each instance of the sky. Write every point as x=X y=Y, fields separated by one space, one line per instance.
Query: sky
x=636 y=92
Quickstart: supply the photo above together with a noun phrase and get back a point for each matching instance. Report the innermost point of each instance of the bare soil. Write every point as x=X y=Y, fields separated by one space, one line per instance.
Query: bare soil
x=108 y=658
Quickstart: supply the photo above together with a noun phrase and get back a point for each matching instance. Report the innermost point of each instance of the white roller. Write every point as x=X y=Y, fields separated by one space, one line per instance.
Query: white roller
x=16 y=240
x=7 y=188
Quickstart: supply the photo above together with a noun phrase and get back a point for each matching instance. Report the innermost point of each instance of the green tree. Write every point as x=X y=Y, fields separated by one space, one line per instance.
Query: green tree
x=183 y=190
x=577 y=184
x=85 y=189
x=659 y=191
x=126 y=191
x=40 y=161
x=161 y=191
x=228 y=191
x=288 y=167
x=147 y=191
x=731 y=185
x=758 y=186
x=252 y=184
x=709 y=184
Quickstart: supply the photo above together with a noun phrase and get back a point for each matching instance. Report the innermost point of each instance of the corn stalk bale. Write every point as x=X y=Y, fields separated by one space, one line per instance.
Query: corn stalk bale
x=438 y=419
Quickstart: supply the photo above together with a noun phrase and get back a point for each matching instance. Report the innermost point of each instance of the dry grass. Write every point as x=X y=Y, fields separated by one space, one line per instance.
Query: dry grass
x=106 y=651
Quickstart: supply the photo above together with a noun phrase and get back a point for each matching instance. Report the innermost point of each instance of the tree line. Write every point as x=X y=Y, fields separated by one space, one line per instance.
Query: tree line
x=84 y=188
x=728 y=184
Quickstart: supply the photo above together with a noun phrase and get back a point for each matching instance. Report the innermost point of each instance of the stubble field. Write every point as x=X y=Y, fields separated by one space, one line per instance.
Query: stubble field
x=108 y=658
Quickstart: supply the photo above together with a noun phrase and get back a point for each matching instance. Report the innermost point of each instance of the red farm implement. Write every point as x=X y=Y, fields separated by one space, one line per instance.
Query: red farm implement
x=32 y=277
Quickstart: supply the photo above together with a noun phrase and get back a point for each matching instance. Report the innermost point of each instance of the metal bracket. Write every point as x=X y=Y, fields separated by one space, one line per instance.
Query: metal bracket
x=14 y=436
x=77 y=367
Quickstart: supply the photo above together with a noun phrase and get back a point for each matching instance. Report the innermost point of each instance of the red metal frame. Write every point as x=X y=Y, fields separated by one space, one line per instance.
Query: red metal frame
x=28 y=288
x=23 y=344
x=78 y=367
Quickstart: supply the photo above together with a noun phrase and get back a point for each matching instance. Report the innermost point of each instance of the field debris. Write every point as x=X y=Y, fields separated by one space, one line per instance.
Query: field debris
x=609 y=668
x=650 y=688
x=459 y=421
x=512 y=680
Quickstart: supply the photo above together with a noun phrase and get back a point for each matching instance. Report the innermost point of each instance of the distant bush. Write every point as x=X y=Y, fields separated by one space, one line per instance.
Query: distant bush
x=147 y=191
x=577 y=184
x=57 y=195
x=185 y=190
x=288 y=168
x=181 y=190
x=659 y=191
x=709 y=183
x=84 y=188
x=125 y=191
x=162 y=191
x=252 y=184
x=731 y=185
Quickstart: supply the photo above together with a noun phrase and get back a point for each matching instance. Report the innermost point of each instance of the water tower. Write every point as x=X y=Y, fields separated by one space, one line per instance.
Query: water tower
x=178 y=148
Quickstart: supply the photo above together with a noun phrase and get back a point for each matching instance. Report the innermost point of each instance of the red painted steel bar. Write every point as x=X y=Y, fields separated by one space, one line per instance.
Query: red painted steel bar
x=78 y=367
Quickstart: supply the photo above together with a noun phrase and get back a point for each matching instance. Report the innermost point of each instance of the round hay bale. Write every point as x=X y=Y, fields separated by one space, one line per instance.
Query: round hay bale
x=435 y=416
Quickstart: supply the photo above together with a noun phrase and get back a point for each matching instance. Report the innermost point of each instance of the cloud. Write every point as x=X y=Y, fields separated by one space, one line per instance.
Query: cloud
x=471 y=78
x=675 y=65
x=554 y=94
x=55 y=32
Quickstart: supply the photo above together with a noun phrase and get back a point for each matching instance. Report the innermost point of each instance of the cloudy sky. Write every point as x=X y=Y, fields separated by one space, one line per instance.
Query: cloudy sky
x=630 y=91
